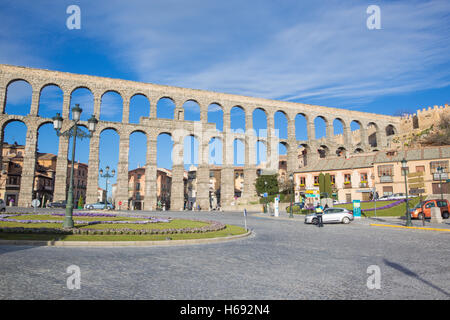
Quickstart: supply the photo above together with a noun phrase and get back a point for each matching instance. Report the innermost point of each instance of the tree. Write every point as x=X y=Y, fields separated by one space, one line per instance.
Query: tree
x=327 y=185
x=270 y=188
x=80 y=202
x=321 y=182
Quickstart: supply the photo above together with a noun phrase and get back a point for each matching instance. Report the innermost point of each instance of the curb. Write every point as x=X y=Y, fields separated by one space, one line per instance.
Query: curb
x=404 y=227
x=259 y=215
x=122 y=243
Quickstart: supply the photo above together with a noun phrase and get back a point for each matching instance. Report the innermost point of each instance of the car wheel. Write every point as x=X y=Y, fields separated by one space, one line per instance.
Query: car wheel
x=345 y=220
x=90 y=207
x=445 y=215
x=315 y=221
x=3 y=210
x=420 y=216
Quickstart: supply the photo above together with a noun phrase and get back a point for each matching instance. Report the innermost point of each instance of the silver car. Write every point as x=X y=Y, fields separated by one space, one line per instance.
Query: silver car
x=331 y=215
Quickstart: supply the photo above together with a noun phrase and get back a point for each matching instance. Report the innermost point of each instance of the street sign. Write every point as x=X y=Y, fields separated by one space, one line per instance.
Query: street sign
x=357 y=209
x=415 y=180
x=265 y=194
x=417 y=191
x=415 y=174
x=35 y=203
x=416 y=185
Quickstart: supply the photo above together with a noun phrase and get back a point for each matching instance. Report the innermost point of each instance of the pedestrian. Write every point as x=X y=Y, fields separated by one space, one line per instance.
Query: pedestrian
x=319 y=212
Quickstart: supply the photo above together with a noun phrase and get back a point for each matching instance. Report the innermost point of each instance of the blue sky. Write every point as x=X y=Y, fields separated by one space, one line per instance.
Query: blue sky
x=303 y=51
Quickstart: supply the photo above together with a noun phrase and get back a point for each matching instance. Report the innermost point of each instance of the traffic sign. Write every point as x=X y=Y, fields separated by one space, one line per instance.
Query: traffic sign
x=415 y=180
x=416 y=185
x=417 y=191
x=415 y=174
x=35 y=203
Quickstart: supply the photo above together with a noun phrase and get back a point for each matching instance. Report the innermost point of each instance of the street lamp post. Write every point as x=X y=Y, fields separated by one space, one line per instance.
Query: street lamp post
x=291 y=179
x=408 y=214
x=107 y=175
x=74 y=132
x=267 y=198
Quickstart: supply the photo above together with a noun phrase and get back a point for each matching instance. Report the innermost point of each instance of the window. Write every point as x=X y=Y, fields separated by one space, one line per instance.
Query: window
x=333 y=179
x=429 y=205
x=347 y=178
x=442 y=203
x=316 y=180
x=420 y=168
x=363 y=177
x=435 y=164
x=302 y=181
x=385 y=170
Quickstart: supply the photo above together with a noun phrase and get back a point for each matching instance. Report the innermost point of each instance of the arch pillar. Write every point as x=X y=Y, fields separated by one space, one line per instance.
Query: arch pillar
x=28 y=168
x=382 y=138
x=329 y=130
x=34 y=108
x=227 y=172
x=311 y=131
x=177 y=187
x=250 y=159
x=66 y=104
x=150 y=197
x=126 y=109
x=347 y=133
x=292 y=147
x=363 y=134
x=62 y=162
x=92 y=183
x=203 y=111
x=203 y=177
x=122 y=171
x=97 y=103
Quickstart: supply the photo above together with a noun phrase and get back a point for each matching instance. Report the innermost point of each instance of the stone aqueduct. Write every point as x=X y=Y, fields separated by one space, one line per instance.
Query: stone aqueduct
x=178 y=128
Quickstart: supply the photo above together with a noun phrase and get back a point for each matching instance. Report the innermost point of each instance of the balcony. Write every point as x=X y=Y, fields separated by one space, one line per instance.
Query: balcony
x=363 y=184
x=347 y=185
x=386 y=179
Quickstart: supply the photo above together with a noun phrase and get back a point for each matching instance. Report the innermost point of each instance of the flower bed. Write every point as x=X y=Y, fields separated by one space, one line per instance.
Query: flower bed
x=5 y=218
x=211 y=226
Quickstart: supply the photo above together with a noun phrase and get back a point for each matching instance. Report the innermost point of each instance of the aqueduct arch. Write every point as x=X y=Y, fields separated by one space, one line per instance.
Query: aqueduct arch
x=178 y=128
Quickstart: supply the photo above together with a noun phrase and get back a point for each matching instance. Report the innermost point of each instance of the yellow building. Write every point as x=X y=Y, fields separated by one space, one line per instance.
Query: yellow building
x=354 y=177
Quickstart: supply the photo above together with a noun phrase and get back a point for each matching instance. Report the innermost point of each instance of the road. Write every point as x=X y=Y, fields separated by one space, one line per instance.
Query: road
x=283 y=259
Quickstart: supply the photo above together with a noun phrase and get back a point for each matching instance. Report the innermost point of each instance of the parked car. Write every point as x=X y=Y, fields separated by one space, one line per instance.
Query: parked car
x=424 y=208
x=295 y=206
x=2 y=205
x=331 y=215
x=57 y=204
x=99 y=205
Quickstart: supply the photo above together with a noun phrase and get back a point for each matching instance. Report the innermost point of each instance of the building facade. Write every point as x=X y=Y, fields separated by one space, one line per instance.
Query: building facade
x=355 y=177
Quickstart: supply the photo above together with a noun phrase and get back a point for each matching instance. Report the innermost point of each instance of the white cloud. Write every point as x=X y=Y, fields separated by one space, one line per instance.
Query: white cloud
x=327 y=53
